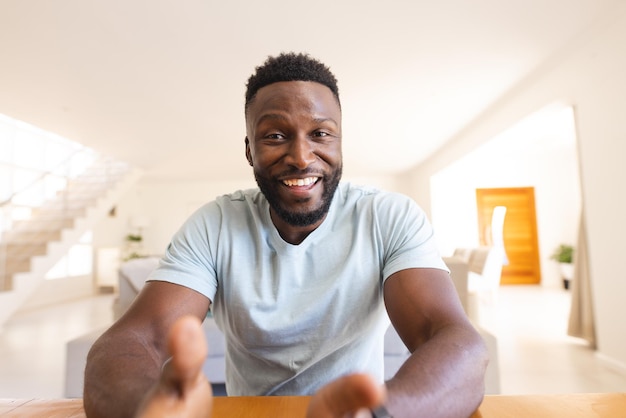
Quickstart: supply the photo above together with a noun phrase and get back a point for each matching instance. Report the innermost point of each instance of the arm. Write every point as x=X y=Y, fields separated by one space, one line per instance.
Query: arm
x=125 y=362
x=444 y=376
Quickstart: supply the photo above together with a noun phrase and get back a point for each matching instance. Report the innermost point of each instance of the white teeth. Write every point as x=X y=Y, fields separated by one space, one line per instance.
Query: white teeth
x=300 y=182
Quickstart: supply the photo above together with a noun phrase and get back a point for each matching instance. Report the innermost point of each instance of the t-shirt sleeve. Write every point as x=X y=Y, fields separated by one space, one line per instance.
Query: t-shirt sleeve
x=189 y=258
x=408 y=237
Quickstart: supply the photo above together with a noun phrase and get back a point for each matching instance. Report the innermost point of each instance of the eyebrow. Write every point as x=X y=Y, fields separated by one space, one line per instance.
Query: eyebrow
x=322 y=120
x=276 y=116
x=270 y=116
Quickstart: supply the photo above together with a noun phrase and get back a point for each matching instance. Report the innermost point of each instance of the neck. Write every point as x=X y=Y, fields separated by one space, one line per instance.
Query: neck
x=293 y=234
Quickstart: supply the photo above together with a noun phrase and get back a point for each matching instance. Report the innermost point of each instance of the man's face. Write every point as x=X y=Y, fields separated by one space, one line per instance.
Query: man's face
x=294 y=145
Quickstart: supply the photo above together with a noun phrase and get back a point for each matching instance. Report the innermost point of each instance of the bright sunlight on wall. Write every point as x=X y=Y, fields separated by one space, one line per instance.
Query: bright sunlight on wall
x=34 y=166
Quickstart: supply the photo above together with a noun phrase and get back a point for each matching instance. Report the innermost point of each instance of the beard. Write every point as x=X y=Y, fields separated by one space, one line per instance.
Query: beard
x=300 y=218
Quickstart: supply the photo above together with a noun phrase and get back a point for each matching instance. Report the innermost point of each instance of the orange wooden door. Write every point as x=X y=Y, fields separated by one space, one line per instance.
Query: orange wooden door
x=520 y=231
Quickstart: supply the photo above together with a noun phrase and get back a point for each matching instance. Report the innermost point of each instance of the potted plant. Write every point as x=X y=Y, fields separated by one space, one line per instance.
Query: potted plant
x=564 y=255
x=133 y=248
x=134 y=238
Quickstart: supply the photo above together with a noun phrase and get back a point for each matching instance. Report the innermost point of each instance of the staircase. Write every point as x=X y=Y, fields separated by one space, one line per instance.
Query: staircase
x=29 y=248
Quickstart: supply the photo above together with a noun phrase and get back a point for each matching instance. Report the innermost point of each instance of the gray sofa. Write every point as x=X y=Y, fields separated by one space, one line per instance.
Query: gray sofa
x=132 y=276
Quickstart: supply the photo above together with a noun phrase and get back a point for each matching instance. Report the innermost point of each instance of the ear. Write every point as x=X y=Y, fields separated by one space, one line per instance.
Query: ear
x=248 y=155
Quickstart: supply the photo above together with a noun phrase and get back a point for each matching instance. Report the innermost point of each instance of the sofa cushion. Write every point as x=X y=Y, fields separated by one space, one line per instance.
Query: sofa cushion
x=137 y=270
x=215 y=338
x=393 y=343
x=478 y=259
x=75 y=359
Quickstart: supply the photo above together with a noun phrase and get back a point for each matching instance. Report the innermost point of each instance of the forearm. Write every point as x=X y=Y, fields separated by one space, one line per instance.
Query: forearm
x=443 y=378
x=118 y=375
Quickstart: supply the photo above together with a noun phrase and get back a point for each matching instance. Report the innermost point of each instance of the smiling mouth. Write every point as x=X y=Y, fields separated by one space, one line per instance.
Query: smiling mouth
x=307 y=181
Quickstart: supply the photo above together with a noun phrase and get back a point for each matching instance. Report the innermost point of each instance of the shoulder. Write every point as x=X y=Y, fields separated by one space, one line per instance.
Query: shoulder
x=376 y=200
x=230 y=203
x=223 y=210
x=393 y=216
x=236 y=197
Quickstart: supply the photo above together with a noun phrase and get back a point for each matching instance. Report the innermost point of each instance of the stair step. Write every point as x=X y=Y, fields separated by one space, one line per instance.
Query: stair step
x=79 y=190
x=67 y=205
x=51 y=224
x=23 y=249
x=99 y=177
x=52 y=213
x=6 y=281
x=80 y=193
x=87 y=193
x=18 y=264
x=32 y=235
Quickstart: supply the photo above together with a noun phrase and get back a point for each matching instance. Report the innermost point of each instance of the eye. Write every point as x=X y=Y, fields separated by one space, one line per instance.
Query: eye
x=274 y=136
x=320 y=134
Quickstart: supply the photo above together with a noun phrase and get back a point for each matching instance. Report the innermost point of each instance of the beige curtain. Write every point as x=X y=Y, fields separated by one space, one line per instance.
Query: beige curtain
x=581 y=320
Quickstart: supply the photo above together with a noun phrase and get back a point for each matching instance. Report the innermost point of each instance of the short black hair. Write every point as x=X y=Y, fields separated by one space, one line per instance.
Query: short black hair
x=290 y=67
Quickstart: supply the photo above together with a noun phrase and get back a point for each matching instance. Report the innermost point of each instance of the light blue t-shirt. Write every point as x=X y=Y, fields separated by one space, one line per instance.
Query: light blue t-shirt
x=296 y=317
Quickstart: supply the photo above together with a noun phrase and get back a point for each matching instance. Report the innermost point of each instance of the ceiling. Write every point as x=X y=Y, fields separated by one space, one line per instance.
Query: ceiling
x=160 y=83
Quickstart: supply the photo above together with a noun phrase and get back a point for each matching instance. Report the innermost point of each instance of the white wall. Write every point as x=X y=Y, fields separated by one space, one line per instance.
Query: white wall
x=590 y=76
x=166 y=205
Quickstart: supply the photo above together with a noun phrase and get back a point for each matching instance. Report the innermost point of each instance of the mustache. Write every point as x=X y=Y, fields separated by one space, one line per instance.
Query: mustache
x=300 y=173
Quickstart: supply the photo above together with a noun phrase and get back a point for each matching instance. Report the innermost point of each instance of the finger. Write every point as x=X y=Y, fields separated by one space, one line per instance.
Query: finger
x=346 y=395
x=182 y=390
x=188 y=349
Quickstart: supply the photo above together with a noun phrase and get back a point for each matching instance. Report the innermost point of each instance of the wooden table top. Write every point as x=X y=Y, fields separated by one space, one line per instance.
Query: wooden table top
x=591 y=405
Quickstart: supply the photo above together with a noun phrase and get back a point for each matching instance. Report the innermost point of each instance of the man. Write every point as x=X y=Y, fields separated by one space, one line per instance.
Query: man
x=299 y=275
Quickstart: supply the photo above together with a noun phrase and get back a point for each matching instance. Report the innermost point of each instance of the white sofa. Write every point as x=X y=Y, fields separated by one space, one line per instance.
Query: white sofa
x=132 y=276
x=460 y=271
x=484 y=265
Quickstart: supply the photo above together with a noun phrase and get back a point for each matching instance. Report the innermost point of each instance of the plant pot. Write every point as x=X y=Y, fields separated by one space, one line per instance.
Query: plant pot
x=567 y=273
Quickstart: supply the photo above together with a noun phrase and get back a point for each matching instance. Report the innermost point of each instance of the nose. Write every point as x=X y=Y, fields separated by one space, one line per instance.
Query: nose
x=301 y=152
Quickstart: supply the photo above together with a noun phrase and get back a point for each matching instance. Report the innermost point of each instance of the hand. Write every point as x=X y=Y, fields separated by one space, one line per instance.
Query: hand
x=351 y=396
x=182 y=390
